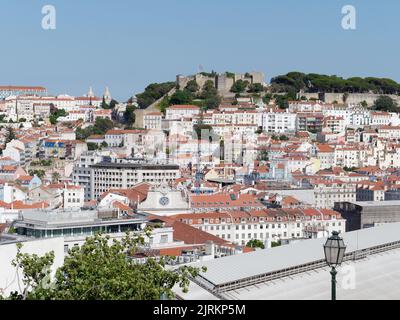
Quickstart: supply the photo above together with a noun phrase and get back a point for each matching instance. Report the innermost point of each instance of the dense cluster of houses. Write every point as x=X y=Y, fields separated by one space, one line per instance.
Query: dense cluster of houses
x=241 y=172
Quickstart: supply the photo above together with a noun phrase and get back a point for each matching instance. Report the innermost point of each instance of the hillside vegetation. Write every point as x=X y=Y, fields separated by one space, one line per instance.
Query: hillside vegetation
x=296 y=81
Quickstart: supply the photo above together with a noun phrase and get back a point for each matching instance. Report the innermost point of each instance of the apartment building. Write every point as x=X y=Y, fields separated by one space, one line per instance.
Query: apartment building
x=370 y=191
x=225 y=201
x=328 y=192
x=177 y=112
x=106 y=175
x=380 y=118
x=335 y=124
x=312 y=122
x=6 y=91
x=81 y=171
x=278 y=121
x=152 y=121
x=268 y=225
x=351 y=156
x=116 y=138
x=326 y=155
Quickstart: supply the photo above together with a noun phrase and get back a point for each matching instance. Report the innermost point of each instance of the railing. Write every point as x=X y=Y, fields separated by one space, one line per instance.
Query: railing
x=351 y=256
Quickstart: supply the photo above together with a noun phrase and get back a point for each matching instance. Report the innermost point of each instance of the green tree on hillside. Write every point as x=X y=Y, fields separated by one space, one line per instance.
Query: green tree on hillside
x=153 y=92
x=192 y=86
x=210 y=95
x=57 y=114
x=181 y=97
x=164 y=104
x=385 y=103
x=256 y=88
x=129 y=115
x=240 y=86
x=100 y=127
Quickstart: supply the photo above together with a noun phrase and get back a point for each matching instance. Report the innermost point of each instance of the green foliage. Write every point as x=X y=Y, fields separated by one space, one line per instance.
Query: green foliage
x=181 y=97
x=267 y=98
x=276 y=244
x=283 y=138
x=323 y=83
x=43 y=163
x=92 y=146
x=101 y=270
x=211 y=74
x=129 y=115
x=12 y=230
x=212 y=102
x=164 y=104
x=100 y=127
x=36 y=273
x=256 y=88
x=263 y=155
x=255 y=243
x=282 y=101
x=55 y=177
x=104 y=144
x=104 y=104
x=351 y=169
x=230 y=75
x=210 y=95
x=153 y=92
x=38 y=172
x=57 y=114
x=192 y=86
x=385 y=103
x=240 y=86
x=111 y=105
x=10 y=135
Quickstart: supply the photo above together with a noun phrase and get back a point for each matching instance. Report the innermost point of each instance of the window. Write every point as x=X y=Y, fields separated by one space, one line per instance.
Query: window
x=164 y=238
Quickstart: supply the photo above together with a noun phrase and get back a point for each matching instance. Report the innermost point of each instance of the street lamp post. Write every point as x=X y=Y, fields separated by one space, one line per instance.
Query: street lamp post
x=334 y=250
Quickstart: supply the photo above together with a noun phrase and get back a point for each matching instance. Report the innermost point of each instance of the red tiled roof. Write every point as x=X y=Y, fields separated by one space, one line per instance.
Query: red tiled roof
x=181 y=106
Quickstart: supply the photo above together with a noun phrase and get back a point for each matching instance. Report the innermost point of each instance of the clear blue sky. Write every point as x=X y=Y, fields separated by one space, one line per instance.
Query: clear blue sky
x=127 y=44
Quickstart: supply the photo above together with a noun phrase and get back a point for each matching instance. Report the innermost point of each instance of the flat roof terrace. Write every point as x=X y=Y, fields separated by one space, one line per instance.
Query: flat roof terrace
x=374 y=278
x=108 y=165
x=240 y=271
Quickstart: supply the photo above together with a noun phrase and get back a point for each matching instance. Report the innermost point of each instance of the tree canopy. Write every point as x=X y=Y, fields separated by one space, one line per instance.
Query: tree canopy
x=100 y=269
x=129 y=115
x=100 y=127
x=57 y=114
x=385 y=103
x=10 y=135
x=181 y=97
x=153 y=92
x=192 y=86
x=240 y=86
x=323 y=83
x=255 y=243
